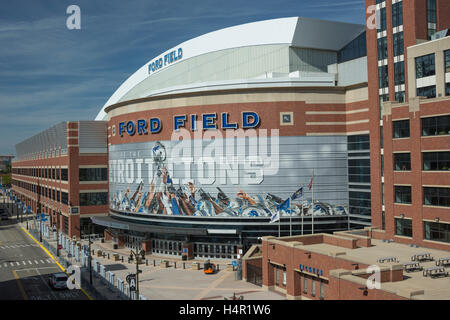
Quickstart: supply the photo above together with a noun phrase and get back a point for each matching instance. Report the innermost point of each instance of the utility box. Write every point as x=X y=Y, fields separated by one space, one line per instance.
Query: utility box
x=195 y=266
x=164 y=264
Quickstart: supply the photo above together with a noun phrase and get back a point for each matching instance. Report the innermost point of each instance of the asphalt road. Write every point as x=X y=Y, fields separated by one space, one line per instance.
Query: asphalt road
x=25 y=268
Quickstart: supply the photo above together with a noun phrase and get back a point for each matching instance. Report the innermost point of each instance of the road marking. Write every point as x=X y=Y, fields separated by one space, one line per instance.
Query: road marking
x=35 y=261
x=42 y=261
x=29 y=262
x=12 y=264
x=46 y=284
x=24 y=263
x=19 y=283
x=5 y=264
x=53 y=258
x=49 y=261
x=17 y=262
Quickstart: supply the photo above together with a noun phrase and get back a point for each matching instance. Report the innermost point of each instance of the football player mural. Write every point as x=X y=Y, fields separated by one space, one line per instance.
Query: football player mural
x=163 y=197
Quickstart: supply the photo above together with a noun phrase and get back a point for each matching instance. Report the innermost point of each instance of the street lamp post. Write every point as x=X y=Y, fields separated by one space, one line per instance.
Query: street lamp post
x=57 y=232
x=90 y=260
x=136 y=255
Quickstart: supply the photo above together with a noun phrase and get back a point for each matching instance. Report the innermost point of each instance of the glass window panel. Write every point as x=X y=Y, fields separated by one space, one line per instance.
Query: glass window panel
x=402 y=194
x=400 y=129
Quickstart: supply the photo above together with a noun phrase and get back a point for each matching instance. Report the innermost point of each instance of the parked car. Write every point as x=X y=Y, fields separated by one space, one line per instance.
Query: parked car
x=58 y=280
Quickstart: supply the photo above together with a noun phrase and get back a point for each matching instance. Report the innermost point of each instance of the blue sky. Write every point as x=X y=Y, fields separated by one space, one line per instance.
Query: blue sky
x=49 y=73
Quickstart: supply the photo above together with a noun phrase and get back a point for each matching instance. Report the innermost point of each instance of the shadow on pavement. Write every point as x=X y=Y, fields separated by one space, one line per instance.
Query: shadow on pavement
x=115 y=267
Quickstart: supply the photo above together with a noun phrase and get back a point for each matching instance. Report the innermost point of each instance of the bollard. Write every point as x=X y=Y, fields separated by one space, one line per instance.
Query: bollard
x=184 y=267
x=218 y=269
x=175 y=264
x=146 y=262
x=122 y=258
x=108 y=256
x=154 y=263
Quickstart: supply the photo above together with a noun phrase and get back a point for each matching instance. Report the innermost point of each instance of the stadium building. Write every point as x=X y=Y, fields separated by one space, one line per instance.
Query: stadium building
x=209 y=139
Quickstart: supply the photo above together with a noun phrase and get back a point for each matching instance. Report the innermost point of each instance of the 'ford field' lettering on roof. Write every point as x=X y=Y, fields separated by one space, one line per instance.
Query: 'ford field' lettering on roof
x=165 y=60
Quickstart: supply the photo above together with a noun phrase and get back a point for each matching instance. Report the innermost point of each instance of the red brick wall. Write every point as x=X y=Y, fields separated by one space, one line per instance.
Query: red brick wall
x=415 y=144
x=72 y=161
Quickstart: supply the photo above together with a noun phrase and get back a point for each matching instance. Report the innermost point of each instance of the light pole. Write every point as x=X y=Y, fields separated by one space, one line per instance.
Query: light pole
x=57 y=232
x=90 y=260
x=136 y=255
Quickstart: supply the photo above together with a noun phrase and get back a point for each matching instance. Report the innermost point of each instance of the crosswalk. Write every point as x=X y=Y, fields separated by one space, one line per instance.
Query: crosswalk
x=29 y=262
x=16 y=246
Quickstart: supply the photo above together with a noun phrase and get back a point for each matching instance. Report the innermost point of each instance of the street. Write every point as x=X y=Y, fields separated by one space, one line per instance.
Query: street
x=25 y=268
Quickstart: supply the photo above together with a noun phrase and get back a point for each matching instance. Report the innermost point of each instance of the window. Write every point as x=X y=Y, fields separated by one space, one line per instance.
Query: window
x=447 y=89
x=382 y=193
x=313 y=287
x=431 y=17
x=383 y=77
x=436 y=126
x=399 y=73
x=358 y=142
x=381 y=137
x=397 y=14
x=382 y=48
x=305 y=285
x=402 y=194
x=433 y=196
x=359 y=170
x=382 y=165
x=64 y=174
x=436 y=161
x=93 y=174
x=64 y=198
x=57 y=173
x=400 y=96
x=437 y=231
x=322 y=293
x=402 y=161
x=447 y=61
x=429 y=92
x=93 y=198
x=425 y=66
x=403 y=227
x=382 y=19
x=400 y=129
x=359 y=203
x=284 y=277
x=383 y=220
x=398 y=44
x=277 y=277
x=359 y=199
x=355 y=49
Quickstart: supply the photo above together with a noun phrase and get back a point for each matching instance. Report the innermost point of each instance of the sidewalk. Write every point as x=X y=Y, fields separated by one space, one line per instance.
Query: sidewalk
x=178 y=281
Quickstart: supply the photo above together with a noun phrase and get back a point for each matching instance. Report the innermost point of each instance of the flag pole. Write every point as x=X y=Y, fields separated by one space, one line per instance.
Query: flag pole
x=290 y=224
x=279 y=223
x=302 y=215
